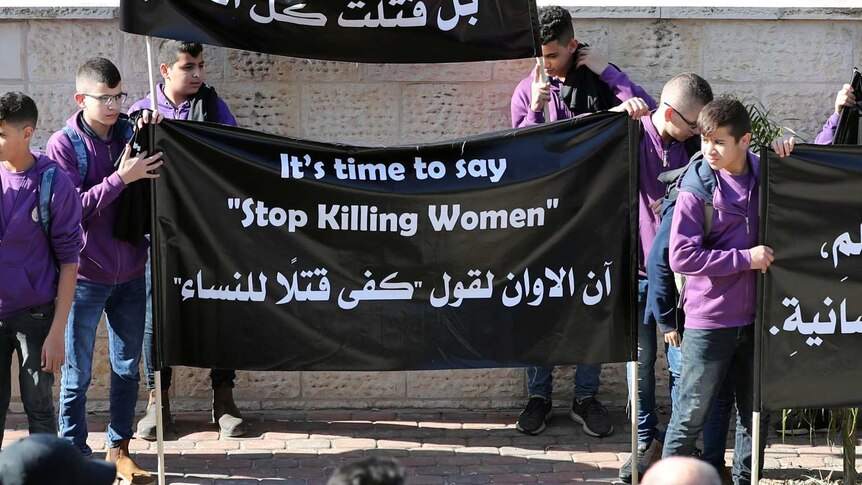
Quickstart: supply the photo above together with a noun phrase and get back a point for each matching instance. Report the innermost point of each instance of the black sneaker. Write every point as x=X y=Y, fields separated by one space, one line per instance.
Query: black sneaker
x=593 y=415
x=533 y=418
x=797 y=422
x=647 y=454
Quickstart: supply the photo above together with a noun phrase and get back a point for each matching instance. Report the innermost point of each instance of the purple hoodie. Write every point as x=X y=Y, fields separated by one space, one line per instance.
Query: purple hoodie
x=656 y=156
x=181 y=112
x=29 y=268
x=622 y=87
x=105 y=259
x=721 y=286
x=827 y=134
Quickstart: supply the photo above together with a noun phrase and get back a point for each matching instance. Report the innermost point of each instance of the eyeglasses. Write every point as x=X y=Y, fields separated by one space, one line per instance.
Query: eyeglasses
x=107 y=99
x=691 y=125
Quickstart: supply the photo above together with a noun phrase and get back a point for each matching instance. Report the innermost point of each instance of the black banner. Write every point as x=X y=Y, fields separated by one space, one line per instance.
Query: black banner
x=385 y=31
x=812 y=314
x=848 y=130
x=506 y=249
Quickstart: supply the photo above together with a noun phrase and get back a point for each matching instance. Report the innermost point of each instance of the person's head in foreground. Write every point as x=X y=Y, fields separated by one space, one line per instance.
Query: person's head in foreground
x=725 y=134
x=44 y=459
x=369 y=471
x=678 y=470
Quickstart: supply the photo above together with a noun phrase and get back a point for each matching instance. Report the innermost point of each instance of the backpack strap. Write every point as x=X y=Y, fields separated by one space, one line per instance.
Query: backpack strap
x=80 y=151
x=46 y=193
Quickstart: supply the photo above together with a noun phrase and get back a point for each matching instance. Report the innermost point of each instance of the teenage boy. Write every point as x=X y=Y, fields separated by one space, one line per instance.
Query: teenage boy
x=40 y=238
x=669 y=139
x=185 y=96
x=581 y=81
x=111 y=273
x=719 y=295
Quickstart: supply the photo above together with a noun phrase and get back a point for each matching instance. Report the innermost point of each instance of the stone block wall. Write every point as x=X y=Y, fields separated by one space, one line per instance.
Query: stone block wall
x=793 y=61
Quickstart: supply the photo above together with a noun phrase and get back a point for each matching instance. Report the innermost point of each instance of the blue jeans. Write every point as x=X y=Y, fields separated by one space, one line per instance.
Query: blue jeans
x=709 y=357
x=125 y=305
x=540 y=381
x=24 y=333
x=715 y=429
x=218 y=377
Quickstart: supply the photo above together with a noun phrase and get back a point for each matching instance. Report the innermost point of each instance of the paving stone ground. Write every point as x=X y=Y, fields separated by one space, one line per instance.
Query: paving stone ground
x=434 y=447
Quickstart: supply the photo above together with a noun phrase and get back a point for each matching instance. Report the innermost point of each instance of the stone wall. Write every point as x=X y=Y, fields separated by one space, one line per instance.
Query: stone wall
x=792 y=61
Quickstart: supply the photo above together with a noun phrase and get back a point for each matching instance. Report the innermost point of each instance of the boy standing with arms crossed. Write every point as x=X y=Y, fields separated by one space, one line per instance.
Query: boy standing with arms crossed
x=111 y=273
x=40 y=238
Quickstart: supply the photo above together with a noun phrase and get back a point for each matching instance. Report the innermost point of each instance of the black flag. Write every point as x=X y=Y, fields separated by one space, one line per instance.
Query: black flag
x=847 y=132
x=407 y=31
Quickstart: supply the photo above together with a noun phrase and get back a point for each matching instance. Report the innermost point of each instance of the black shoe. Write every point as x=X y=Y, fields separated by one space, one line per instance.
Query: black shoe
x=797 y=422
x=533 y=418
x=647 y=454
x=593 y=415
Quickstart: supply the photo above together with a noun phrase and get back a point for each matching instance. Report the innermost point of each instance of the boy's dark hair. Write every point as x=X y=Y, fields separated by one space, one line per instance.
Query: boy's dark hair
x=18 y=109
x=724 y=113
x=555 y=24
x=692 y=88
x=169 y=50
x=369 y=471
x=98 y=70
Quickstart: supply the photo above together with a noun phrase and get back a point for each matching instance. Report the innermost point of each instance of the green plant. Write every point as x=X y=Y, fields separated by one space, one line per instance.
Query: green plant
x=763 y=128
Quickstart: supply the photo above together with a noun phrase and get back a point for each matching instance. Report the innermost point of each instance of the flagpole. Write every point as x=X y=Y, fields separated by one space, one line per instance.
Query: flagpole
x=633 y=396
x=160 y=432
x=759 y=325
x=540 y=61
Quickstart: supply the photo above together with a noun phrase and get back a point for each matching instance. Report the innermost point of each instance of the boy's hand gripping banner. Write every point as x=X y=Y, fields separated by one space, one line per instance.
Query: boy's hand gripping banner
x=506 y=249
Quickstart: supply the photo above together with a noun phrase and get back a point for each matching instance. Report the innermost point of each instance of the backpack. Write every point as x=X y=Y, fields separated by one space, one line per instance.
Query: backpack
x=44 y=194
x=663 y=305
x=673 y=179
x=123 y=123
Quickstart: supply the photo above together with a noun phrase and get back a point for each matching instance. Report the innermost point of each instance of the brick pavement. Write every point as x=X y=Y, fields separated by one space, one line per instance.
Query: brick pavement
x=434 y=447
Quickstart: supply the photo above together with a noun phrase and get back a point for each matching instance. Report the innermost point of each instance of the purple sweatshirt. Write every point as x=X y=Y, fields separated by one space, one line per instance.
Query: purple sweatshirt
x=28 y=260
x=656 y=156
x=622 y=87
x=105 y=259
x=181 y=112
x=721 y=286
x=827 y=134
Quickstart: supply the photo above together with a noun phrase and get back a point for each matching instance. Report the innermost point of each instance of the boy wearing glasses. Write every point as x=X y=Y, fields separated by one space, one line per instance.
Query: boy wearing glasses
x=185 y=96
x=40 y=229
x=669 y=139
x=111 y=271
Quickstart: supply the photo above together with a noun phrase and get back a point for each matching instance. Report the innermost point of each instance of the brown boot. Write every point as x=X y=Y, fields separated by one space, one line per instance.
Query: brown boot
x=147 y=424
x=127 y=469
x=226 y=414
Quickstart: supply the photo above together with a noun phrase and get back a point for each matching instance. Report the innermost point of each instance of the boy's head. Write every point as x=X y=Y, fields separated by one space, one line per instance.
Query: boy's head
x=182 y=66
x=725 y=130
x=682 y=99
x=99 y=91
x=558 y=39
x=18 y=116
